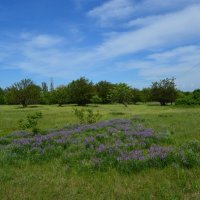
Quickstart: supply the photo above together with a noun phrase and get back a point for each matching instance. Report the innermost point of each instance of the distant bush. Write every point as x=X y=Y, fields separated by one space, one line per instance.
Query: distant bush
x=31 y=122
x=96 y=99
x=191 y=99
x=87 y=116
x=187 y=101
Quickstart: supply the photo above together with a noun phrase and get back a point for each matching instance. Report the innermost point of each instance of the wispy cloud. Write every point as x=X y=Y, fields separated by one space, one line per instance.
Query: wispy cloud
x=182 y=63
x=112 y=10
x=140 y=12
x=174 y=29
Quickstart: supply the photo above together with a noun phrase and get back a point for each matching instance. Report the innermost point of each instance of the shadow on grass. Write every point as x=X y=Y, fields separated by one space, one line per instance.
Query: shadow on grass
x=117 y=113
x=31 y=106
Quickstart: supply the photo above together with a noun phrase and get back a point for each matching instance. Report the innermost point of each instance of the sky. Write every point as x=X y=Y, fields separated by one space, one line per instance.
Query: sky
x=131 y=41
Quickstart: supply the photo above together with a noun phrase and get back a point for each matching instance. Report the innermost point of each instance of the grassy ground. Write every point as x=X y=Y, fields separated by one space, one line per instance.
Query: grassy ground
x=53 y=181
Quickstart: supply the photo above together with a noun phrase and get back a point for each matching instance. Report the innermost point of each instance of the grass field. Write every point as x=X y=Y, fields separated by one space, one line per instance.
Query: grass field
x=53 y=180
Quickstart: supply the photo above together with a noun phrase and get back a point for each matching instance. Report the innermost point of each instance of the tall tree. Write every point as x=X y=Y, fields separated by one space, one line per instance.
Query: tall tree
x=44 y=95
x=81 y=91
x=103 y=89
x=135 y=97
x=62 y=95
x=145 y=95
x=164 y=91
x=44 y=87
x=122 y=93
x=51 y=85
x=25 y=92
x=2 y=96
x=52 y=93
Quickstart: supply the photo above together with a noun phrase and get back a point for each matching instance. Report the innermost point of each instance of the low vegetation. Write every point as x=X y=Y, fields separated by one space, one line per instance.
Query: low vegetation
x=122 y=144
x=145 y=151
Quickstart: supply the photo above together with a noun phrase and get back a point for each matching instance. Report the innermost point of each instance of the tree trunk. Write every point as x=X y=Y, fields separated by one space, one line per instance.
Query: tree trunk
x=163 y=103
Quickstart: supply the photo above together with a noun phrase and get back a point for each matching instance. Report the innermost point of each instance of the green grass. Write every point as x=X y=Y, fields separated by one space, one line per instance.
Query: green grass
x=53 y=180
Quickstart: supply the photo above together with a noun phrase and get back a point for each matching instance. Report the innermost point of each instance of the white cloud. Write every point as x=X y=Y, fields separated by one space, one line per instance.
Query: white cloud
x=112 y=10
x=144 y=21
x=149 y=7
x=182 y=63
x=173 y=29
x=43 y=41
x=139 y=12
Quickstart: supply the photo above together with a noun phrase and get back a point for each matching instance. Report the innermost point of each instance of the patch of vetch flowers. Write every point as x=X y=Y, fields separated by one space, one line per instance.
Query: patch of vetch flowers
x=122 y=144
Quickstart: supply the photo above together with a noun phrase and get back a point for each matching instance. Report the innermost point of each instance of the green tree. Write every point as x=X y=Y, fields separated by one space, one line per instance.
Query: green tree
x=103 y=89
x=44 y=94
x=196 y=95
x=121 y=93
x=81 y=91
x=96 y=99
x=145 y=95
x=164 y=91
x=10 y=97
x=62 y=95
x=189 y=98
x=52 y=93
x=135 y=97
x=2 y=96
x=25 y=92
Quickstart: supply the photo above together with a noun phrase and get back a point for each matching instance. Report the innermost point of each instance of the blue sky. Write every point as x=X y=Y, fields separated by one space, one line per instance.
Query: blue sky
x=132 y=41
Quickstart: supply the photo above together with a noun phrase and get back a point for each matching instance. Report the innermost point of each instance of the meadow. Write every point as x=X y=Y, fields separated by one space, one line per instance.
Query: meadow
x=57 y=179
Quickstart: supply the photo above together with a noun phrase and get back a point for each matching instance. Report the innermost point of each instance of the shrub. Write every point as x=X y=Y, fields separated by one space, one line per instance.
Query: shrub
x=96 y=99
x=87 y=116
x=31 y=122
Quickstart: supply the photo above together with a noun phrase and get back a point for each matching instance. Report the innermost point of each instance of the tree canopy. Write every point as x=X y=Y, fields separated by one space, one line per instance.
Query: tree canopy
x=164 y=91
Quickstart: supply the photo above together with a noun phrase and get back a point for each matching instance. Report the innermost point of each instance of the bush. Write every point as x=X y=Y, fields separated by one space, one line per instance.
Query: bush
x=189 y=100
x=96 y=100
x=31 y=122
x=87 y=116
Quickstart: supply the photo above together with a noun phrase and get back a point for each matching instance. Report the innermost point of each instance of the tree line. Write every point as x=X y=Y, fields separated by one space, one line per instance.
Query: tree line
x=83 y=91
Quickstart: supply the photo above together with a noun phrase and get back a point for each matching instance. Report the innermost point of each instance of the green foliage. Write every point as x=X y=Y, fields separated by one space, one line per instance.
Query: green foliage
x=2 y=96
x=31 y=122
x=24 y=92
x=164 y=91
x=121 y=93
x=44 y=94
x=81 y=91
x=189 y=99
x=96 y=99
x=103 y=90
x=87 y=116
x=146 y=95
x=10 y=96
x=62 y=95
x=135 y=96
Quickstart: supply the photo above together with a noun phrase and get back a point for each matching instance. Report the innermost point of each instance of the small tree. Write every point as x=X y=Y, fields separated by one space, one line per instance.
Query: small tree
x=87 y=116
x=81 y=91
x=164 y=91
x=31 y=122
